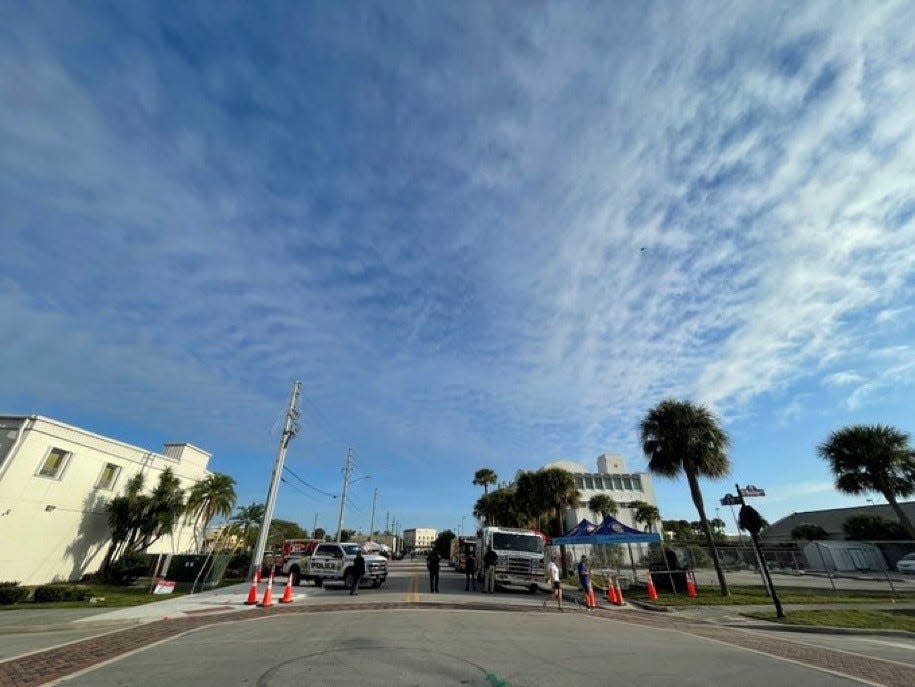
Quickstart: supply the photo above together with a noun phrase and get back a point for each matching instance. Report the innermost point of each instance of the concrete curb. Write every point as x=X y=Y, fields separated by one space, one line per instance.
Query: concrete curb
x=645 y=606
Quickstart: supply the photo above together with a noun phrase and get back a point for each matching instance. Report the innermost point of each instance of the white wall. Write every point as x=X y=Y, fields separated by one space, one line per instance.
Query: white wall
x=56 y=529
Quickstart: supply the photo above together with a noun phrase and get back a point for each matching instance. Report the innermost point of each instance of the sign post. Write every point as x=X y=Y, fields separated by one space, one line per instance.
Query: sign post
x=751 y=521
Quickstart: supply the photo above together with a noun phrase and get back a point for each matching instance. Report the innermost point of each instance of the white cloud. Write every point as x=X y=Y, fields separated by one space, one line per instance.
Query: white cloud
x=844 y=378
x=448 y=251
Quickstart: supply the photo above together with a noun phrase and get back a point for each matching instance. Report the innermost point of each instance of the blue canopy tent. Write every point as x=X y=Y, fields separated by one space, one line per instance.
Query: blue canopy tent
x=610 y=531
x=580 y=534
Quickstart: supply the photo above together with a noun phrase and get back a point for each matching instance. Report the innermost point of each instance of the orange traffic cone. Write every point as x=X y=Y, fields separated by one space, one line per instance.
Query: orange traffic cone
x=592 y=602
x=652 y=592
x=619 y=594
x=252 y=593
x=691 y=588
x=611 y=591
x=287 y=593
x=268 y=593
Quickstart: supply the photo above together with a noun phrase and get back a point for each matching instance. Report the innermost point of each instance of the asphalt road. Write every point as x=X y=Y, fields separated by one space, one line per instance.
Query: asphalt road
x=419 y=646
x=443 y=647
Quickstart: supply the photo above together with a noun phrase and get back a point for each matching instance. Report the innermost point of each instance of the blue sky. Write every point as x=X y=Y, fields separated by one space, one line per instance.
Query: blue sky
x=433 y=214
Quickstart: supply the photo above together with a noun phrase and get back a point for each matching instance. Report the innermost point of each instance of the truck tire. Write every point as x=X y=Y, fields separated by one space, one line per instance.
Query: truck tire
x=533 y=589
x=348 y=579
x=295 y=576
x=318 y=582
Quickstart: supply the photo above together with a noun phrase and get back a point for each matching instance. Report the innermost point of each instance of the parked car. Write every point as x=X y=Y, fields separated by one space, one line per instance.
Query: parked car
x=906 y=564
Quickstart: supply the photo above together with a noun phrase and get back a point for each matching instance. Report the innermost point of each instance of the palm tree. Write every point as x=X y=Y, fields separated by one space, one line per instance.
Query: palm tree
x=559 y=492
x=683 y=437
x=869 y=458
x=603 y=504
x=485 y=477
x=529 y=499
x=645 y=513
x=248 y=517
x=500 y=508
x=214 y=495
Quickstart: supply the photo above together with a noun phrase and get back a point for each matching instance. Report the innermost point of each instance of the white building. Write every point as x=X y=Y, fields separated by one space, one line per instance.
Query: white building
x=419 y=538
x=55 y=482
x=611 y=479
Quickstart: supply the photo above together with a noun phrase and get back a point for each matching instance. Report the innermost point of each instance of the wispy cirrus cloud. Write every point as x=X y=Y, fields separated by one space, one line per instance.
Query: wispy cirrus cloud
x=473 y=234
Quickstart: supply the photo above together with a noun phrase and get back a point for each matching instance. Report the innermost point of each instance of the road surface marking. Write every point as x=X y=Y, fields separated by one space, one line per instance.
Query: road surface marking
x=412 y=593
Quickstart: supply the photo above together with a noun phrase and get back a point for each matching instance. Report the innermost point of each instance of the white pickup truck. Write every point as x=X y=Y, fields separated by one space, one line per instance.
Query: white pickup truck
x=333 y=562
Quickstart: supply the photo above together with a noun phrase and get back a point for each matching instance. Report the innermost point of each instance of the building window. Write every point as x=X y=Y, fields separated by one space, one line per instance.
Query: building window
x=637 y=483
x=589 y=483
x=54 y=464
x=608 y=483
x=627 y=483
x=617 y=483
x=579 y=482
x=109 y=476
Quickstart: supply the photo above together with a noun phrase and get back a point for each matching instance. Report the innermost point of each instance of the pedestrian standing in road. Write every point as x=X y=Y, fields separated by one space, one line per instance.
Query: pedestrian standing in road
x=553 y=571
x=489 y=570
x=358 y=572
x=584 y=578
x=433 y=562
x=470 y=570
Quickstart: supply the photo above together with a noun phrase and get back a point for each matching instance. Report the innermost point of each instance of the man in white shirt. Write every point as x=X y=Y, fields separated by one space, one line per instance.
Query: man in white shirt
x=554 y=581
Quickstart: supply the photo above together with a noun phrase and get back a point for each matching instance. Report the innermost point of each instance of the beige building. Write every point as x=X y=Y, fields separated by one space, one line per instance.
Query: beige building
x=55 y=483
x=613 y=479
x=419 y=538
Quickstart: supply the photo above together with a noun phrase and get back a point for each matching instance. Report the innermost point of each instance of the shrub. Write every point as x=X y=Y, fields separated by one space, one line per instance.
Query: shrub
x=12 y=593
x=238 y=566
x=126 y=569
x=60 y=592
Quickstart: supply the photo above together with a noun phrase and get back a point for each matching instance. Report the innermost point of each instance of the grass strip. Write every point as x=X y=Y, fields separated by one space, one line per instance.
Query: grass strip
x=711 y=596
x=857 y=618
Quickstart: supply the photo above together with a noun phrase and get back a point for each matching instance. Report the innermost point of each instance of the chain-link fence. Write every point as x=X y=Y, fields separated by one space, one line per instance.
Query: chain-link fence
x=833 y=565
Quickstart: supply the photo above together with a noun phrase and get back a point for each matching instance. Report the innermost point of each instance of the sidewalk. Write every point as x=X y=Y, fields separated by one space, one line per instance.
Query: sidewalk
x=27 y=631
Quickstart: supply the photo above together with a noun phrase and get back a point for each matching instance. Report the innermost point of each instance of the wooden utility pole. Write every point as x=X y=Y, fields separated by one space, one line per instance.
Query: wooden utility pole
x=372 y=525
x=347 y=471
x=289 y=430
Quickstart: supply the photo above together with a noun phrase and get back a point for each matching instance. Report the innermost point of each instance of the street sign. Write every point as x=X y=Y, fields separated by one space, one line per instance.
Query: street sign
x=730 y=500
x=751 y=490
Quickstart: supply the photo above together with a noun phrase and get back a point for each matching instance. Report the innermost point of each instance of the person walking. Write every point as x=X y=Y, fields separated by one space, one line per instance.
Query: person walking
x=358 y=572
x=489 y=570
x=584 y=578
x=555 y=583
x=433 y=563
x=470 y=570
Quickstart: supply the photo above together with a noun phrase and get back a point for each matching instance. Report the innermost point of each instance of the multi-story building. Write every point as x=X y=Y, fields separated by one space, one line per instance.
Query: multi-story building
x=419 y=538
x=611 y=479
x=55 y=483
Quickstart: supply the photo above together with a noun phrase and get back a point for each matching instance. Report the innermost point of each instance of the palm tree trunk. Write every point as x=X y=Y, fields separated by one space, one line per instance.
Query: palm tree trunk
x=900 y=514
x=700 y=507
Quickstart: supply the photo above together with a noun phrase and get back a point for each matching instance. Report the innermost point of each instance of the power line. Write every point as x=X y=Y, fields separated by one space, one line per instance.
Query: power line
x=292 y=486
x=310 y=486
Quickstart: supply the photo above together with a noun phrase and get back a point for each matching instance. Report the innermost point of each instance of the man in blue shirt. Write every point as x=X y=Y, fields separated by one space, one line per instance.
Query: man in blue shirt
x=584 y=577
